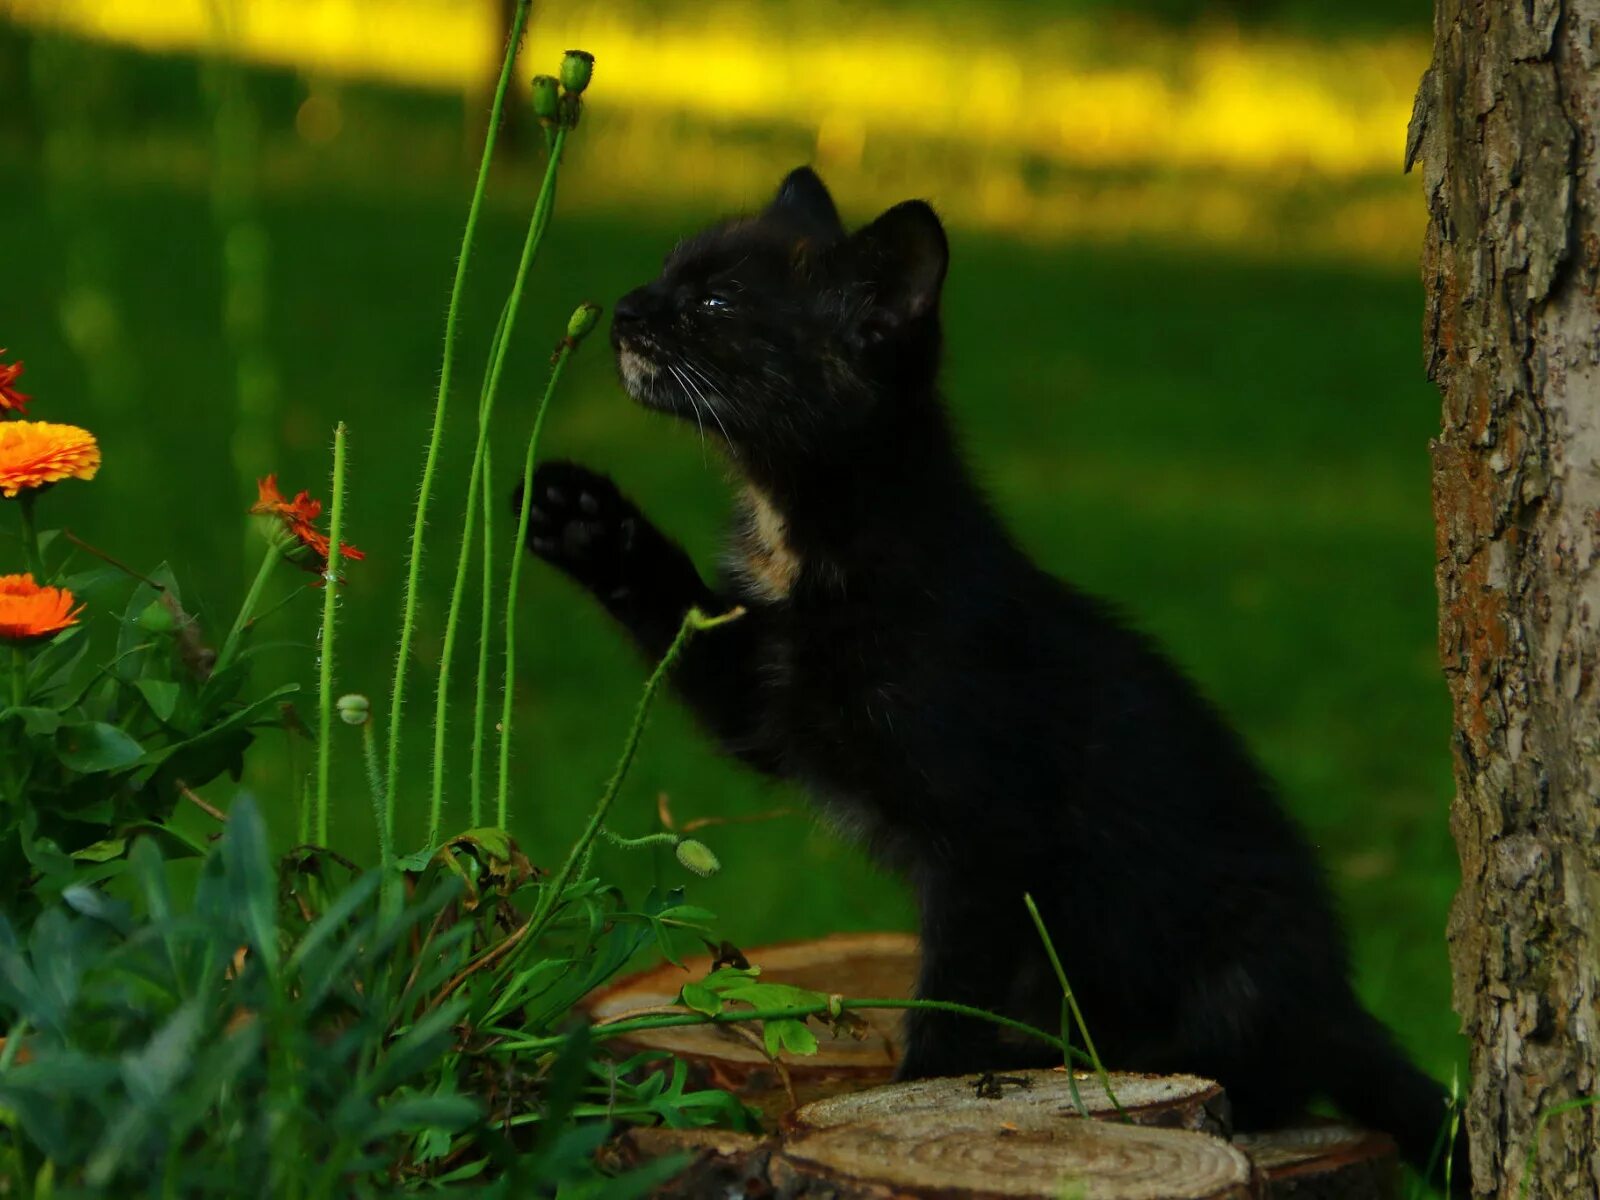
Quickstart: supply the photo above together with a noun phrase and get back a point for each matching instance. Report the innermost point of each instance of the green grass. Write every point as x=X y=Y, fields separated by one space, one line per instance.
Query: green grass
x=1234 y=452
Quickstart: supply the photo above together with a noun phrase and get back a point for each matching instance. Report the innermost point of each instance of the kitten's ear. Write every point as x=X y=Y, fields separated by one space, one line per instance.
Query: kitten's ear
x=803 y=199
x=902 y=257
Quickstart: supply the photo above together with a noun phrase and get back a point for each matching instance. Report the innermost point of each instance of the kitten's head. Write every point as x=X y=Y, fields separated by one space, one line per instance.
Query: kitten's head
x=785 y=334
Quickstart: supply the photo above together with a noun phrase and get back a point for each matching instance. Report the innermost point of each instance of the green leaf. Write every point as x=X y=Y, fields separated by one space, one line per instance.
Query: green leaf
x=102 y=851
x=36 y=722
x=795 y=1036
x=448 y=1113
x=251 y=885
x=161 y=695
x=95 y=747
x=701 y=999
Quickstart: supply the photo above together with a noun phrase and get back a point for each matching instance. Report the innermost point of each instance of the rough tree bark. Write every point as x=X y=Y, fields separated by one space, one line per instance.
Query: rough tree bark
x=1505 y=124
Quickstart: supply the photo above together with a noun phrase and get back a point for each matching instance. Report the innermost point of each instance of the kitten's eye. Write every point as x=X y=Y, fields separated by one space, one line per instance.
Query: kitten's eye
x=715 y=303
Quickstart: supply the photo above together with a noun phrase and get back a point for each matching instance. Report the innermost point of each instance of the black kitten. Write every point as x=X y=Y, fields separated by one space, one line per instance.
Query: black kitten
x=986 y=728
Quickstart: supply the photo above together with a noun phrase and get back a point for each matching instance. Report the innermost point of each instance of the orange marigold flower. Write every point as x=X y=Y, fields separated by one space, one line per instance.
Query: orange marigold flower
x=28 y=611
x=36 y=453
x=301 y=541
x=11 y=400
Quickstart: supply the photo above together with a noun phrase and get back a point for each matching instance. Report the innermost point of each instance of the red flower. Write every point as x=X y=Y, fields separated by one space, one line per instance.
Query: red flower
x=301 y=541
x=12 y=400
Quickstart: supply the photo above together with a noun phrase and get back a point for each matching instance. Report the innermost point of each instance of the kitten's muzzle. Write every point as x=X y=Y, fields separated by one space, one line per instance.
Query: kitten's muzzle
x=632 y=312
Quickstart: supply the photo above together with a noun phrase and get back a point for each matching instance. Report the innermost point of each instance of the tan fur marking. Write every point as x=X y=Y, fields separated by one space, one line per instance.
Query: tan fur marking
x=763 y=555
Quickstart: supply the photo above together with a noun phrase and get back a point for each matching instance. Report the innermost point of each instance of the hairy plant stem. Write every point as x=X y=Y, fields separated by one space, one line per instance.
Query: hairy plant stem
x=246 y=610
x=639 y=843
x=480 y=701
x=530 y=249
x=694 y=621
x=502 y=802
x=330 y=609
x=831 y=1007
x=380 y=815
x=408 y=618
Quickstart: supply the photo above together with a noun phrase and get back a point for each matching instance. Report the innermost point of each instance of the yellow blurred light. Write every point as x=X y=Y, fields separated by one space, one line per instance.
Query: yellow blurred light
x=1212 y=97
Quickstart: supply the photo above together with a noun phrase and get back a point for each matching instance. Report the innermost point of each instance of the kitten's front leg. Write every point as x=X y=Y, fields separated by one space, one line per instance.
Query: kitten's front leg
x=581 y=523
x=977 y=954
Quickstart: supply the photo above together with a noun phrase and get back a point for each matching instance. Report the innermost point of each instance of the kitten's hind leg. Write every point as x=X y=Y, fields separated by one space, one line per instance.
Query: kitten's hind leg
x=579 y=522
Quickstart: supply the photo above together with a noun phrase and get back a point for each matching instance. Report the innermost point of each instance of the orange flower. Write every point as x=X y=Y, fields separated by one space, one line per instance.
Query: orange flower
x=36 y=453
x=302 y=542
x=28 y=611
x=10 y=399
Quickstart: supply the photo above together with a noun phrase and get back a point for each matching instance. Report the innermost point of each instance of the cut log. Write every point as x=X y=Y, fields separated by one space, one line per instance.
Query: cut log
x=851 y=964
x=918 y=1157
x=1029 y=1100
x=926 y=1155
x=1324 y=1161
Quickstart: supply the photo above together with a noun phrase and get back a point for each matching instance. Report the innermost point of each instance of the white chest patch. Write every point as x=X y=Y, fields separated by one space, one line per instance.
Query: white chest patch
x=762 y=555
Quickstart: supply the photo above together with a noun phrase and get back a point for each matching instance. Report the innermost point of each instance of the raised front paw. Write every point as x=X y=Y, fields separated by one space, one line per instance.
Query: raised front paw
x=580 y=522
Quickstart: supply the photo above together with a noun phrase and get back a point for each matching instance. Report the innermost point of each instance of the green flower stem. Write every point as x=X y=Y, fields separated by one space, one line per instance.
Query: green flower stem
x=330 y=610
x=380 y=814
x=639 y=843
x=248 y=608
x=502 y=796
x=1072 y=1004
x=480 y=702
x=602 y=1033
x=30 y=535
x=19 y=667
x=408 y=619
x=694 y=621
x=530 y=248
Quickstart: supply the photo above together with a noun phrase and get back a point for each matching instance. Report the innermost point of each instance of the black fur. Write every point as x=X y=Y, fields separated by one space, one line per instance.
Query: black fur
x=988 y=729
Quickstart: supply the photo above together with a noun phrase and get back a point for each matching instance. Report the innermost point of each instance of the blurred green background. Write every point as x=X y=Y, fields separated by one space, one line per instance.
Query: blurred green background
x=1183 y=344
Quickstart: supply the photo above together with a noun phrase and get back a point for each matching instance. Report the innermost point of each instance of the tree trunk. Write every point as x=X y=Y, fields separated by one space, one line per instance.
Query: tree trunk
x=1506 y=122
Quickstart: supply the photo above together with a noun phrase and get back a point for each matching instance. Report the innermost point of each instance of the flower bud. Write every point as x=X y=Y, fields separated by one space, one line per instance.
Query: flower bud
x=583 y=321
x=354 y=709
x=697 y=857
x=546 y=98
x=576 y=70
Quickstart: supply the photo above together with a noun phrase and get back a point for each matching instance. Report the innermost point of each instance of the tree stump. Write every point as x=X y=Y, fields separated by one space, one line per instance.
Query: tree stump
x=1035 y=1099
x=1323 y=1161
x=849 y=1134
x=919 y=1157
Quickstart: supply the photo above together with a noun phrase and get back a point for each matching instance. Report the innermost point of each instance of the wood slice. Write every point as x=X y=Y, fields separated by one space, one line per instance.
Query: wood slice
x=1027 y=1100
x=925 y=1155
x=853 y=964
x=917 y=1157
x=1324 y=1161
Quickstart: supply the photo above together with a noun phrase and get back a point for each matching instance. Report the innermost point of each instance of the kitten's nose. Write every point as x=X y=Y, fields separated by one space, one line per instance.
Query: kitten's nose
x=629 y=308
x=635 y=306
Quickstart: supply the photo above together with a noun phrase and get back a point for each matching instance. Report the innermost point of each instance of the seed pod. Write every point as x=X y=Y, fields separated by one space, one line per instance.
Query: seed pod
x=697 y=857
x=577 y=68
x=546 y=98
x=354 y=709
